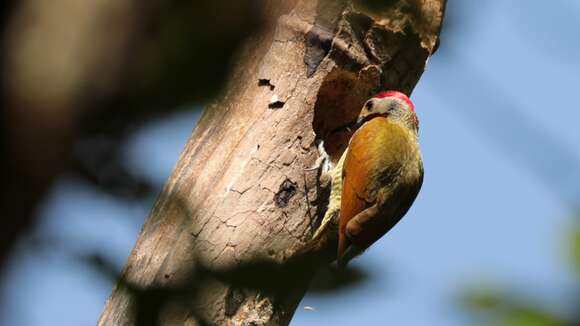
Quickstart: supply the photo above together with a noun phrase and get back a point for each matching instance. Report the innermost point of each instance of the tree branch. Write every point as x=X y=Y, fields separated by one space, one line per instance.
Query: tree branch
x=242 y=193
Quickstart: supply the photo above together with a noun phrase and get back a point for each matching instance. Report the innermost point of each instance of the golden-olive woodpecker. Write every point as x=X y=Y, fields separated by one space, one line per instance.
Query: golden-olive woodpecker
x=377 y=178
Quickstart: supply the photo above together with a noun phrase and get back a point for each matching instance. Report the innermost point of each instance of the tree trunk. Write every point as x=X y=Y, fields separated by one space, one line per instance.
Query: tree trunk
x=242 y=192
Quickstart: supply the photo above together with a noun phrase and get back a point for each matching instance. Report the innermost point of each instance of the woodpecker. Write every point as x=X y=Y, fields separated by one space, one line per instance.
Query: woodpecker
x=378 y=177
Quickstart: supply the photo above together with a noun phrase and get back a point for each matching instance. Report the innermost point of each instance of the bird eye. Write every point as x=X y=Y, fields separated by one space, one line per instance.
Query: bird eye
x=369 y=105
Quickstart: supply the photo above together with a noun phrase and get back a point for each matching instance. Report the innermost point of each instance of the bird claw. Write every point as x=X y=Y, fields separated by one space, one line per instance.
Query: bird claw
x=323 y=162
x=315 y=167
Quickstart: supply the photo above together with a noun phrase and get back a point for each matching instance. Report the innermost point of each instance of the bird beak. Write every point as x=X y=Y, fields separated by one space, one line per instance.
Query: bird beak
x=364 y=117
x=359 y=122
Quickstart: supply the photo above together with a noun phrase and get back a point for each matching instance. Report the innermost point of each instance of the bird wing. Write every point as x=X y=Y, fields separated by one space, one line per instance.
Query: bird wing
x=378 y=154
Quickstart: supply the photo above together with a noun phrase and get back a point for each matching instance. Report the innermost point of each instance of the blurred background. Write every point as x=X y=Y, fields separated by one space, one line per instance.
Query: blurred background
x=493 y=239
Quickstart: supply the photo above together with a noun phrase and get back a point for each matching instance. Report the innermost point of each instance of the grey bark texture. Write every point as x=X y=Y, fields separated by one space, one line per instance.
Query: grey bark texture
x=213 y=250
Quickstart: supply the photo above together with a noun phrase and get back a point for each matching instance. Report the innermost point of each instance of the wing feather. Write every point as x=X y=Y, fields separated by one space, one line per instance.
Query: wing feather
x=378 y=154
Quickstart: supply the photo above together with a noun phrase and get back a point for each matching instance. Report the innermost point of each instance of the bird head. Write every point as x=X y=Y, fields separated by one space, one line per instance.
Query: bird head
x=393 y=105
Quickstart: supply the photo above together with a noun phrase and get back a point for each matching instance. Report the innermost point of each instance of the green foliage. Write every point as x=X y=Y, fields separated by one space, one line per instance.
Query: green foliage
x=499 y=308
x=575 y=249
x=506 y=309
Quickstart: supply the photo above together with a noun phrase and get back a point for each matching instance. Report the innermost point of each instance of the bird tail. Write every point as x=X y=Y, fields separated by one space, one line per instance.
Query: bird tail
x=347 y=255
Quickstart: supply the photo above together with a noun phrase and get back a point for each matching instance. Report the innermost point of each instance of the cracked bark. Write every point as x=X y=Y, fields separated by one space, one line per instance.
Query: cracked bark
x=241 y=192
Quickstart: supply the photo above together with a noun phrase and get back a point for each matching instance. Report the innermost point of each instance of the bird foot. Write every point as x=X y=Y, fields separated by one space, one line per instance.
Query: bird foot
x=323 y=162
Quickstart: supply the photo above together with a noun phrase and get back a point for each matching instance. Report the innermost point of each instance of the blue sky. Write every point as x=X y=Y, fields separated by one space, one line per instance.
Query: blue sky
x=498 y=108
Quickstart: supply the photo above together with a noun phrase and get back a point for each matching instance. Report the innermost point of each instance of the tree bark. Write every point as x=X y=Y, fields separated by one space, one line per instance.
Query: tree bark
x=73 y=89
x=242 y=192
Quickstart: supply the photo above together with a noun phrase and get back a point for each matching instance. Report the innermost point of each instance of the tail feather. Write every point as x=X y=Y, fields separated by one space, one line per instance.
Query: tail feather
x=347 y=255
